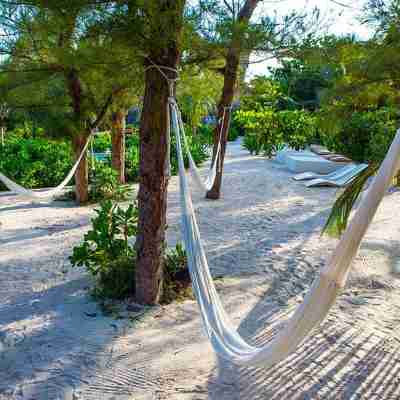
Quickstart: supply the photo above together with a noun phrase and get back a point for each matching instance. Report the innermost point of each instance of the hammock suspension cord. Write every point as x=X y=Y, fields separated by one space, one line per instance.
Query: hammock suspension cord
x=208 y=183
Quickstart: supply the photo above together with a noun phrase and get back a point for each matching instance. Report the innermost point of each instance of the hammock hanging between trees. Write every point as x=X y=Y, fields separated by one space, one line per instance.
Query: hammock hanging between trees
x=45 y=194
x=208 y=183
x=223 y=336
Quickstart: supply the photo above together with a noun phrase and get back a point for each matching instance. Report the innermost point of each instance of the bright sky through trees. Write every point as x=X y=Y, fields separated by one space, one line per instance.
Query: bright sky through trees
x=343 y=17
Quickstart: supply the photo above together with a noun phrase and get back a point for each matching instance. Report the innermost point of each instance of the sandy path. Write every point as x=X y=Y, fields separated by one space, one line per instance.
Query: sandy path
x=263 y=238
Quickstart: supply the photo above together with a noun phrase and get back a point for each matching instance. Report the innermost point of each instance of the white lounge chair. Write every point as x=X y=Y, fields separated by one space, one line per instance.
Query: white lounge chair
x=339 y=181
x=282 y=155
x=305 y=176
x=306 y=163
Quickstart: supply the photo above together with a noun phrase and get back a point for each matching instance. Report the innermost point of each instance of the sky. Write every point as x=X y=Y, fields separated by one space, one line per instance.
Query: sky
x=343 y=20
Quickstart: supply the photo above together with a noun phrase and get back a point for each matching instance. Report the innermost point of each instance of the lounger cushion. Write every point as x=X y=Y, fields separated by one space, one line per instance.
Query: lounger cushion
x=318 y=164
x=281 y=156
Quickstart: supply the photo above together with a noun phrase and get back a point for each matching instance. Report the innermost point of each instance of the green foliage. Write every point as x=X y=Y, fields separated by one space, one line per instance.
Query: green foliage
x=233 y=133
x=298 y=128
x=35 y=163
x=261 y=93
x=261 y=131
x=252 y=142
x=176 y=275
x=41 y=162
x=340 y=213
x=198 y=91
x=364 y=136
x=199 y=148
x=106 y=252
x=132 y=158
x=105 y=184
x=267 y=130
x=303 y=83
x=206 y=132
x=102 y=143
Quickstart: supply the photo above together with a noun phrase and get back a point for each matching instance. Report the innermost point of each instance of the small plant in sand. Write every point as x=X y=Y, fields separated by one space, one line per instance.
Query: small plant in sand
x=105 y=184
x=176 y=275
x=108 y=254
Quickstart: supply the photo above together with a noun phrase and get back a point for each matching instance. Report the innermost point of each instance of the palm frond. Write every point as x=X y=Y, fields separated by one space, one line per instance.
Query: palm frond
x=340 y=213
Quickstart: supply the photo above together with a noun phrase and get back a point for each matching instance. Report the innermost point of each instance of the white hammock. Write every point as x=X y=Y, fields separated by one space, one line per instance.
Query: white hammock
x=45 y=194
x=224 y=338
x=208 y=183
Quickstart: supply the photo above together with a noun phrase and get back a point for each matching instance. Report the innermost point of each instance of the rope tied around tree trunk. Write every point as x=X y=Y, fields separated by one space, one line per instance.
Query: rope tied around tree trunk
x=171 y=99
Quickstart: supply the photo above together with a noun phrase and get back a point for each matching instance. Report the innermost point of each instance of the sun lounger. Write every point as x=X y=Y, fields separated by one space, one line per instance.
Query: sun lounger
x=282 y=155
x=320 y=150
x=341 y=180
x=336 y=157
x=305 y=176
x=315 y=164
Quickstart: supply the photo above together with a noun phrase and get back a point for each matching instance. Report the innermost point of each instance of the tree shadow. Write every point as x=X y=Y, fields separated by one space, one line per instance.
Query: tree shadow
x=18 y=235
x=54 y=341
x=31 y=205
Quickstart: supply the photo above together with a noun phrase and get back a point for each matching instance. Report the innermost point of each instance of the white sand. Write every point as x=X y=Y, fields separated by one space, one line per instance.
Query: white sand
x=264 y=238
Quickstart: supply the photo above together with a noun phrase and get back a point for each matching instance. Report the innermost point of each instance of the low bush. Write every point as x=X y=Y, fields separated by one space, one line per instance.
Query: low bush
x=35 y=163
x=132 y=158
x=108 y=254
x=298 y=127
x=41 y=162
x=199 y=149
x=177 y=282
x=102 y=142
x=105 y=184
x=233 y=133
x=364 y=136
x=252 y=142
x=268 y=131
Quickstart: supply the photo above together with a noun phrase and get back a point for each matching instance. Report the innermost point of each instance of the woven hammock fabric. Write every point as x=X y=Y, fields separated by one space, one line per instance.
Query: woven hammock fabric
x=223 y=336
x=208 y=183
x=45 y=194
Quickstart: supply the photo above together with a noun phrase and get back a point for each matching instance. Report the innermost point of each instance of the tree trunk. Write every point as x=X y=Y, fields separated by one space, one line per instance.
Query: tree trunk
x=118 y=144
x=82 y=173
x=153 y=180
x=230 y=80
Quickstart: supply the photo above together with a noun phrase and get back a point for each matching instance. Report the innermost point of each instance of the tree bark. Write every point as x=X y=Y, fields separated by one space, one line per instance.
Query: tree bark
x=82 y=173
x=153 y=180
x=231 y=73
x=118 y=144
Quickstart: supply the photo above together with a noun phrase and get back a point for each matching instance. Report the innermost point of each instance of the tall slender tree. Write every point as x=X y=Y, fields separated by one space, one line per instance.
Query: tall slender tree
x=231 y=28
x=161 y=28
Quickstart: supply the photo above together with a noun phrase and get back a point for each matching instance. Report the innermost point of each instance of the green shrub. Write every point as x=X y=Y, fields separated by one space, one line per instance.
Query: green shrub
x=176 y=275
x=105 y=184
x=233 y=133
x=108 y=254
x=364 y=136
x=198 y=147
x=298 y=127
x=206 y=132
x=35 y=163
x=102 y=142
x=261 y=131
x=132 y=158
x=252 y=143
x=267 y=130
